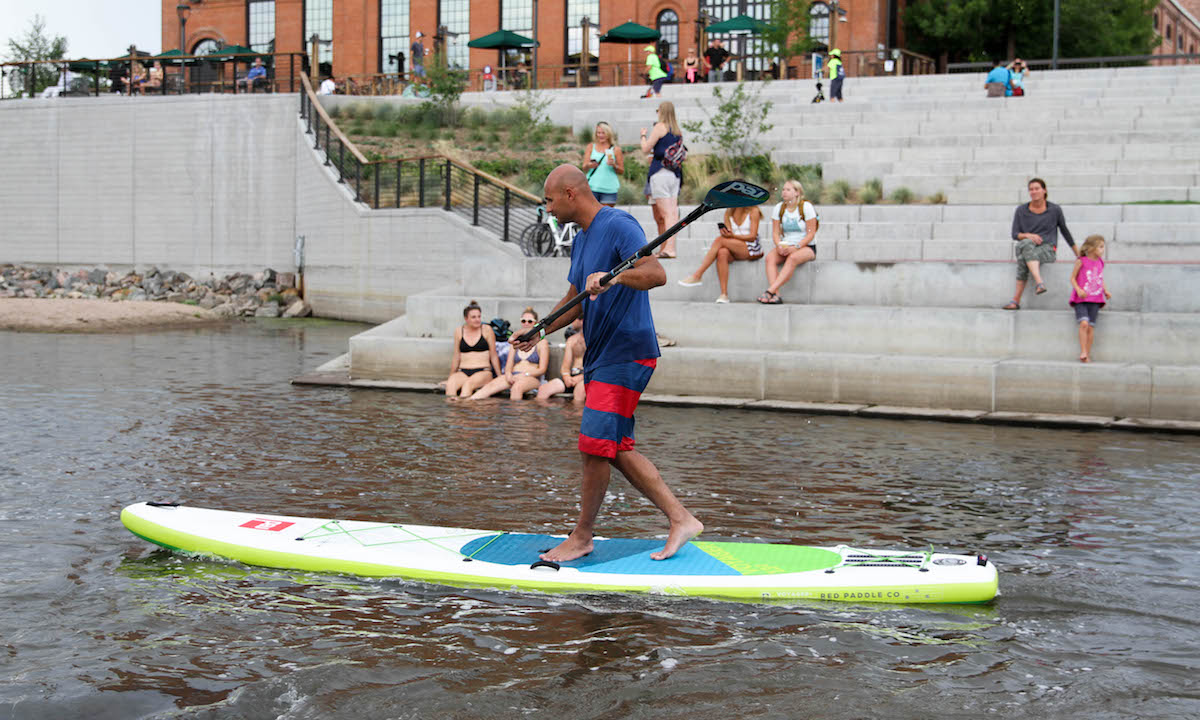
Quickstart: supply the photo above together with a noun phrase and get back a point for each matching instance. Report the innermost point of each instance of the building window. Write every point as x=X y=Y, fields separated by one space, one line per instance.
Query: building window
x=393 y=35
x=260 y=25
x=668 y=24
x=577 y=10
x=455 y=16
x=1156 y=22
x=752 y=47
x=206 y=47
x=517 y=16
x=818 y=23
x=1168 y=32
x=318 y=20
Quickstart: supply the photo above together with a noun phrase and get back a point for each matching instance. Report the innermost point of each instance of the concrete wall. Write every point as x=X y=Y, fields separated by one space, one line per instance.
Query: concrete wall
x=215 y=184
x=199 y=184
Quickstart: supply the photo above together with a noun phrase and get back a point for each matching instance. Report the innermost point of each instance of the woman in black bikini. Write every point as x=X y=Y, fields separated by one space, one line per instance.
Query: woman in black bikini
x=475 y=361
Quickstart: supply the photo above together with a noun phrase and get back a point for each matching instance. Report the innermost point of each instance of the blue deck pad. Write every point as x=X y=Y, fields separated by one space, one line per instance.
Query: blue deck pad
x=615 y=555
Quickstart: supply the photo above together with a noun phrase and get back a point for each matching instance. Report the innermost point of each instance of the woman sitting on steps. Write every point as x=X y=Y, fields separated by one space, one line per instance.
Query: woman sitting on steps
x=794 y=224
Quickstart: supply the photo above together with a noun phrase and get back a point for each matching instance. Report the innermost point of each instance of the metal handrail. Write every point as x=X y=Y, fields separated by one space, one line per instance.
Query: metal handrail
x=1123 y=60
x=435 y=181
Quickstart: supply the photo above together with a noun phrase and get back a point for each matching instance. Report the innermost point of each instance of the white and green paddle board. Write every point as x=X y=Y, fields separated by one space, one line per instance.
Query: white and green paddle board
x=505 y=560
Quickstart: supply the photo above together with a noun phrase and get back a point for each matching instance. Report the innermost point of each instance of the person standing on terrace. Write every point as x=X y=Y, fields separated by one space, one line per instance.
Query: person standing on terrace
x=604 y=164
x=1035 y=229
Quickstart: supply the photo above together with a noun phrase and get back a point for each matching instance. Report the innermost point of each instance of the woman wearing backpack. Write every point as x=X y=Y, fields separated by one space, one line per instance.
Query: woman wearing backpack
x=664 y=146
x=794 y=224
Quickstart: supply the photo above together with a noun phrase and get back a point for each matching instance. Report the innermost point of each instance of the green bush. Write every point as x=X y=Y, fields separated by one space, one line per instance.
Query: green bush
x=839 y=192
x=584 y=134
x=871 y=192
x=500 y=167
x=385 y=111
x=475 y=118
x=476 y=135
x=902 y=196
x=630 y=193
x=635 y=169
x=334 y=112
x=379 y=128
x=494 y=138
x=755 y=167
x=800 y=172
x=535 y=171
x=938 y=198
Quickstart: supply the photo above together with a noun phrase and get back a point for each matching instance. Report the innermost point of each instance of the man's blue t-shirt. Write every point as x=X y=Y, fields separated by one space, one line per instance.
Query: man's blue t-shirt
x=998 y=74
x=617 y=325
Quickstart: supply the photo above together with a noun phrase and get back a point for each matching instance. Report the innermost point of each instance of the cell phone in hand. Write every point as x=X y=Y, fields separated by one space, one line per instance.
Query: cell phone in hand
x=721 y=226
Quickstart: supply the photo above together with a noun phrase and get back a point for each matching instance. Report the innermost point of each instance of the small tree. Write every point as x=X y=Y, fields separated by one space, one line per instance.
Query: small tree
x=35 y=46
x=446 y=86
x=787 y=33
x=733 y=130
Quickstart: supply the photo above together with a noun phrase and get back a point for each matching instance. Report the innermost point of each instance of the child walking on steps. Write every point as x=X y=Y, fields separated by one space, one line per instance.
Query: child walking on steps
x=1088 y=293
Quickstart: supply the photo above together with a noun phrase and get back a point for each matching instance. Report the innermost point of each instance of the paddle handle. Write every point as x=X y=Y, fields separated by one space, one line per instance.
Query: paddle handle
x=622 y=267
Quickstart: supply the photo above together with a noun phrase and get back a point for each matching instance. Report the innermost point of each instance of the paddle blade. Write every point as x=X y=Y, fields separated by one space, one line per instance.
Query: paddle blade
x=736 y=193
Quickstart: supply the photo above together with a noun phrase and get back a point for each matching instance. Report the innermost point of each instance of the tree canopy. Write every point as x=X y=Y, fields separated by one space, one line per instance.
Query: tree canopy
x=977 y=30
x=32 y=46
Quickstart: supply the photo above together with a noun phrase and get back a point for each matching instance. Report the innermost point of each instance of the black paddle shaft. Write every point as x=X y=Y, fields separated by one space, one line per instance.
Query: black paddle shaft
x=622 y=267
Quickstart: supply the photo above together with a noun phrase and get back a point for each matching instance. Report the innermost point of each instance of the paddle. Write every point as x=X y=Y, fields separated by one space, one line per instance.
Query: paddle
x=730 y=194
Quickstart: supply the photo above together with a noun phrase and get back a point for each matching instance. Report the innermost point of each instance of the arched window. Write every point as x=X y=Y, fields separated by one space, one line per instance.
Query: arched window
x=668 y=24
x=206 y=47
x=818 y=23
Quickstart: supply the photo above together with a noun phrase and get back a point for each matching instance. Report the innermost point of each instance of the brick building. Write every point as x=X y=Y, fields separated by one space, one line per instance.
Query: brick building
x=366 y=36
x=1177 y=23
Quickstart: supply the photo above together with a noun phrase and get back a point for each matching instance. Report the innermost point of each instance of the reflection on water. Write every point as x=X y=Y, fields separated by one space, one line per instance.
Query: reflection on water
x=1092 y=531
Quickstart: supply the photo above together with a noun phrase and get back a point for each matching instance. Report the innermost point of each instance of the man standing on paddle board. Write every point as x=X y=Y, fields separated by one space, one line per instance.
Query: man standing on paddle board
x=622 y=353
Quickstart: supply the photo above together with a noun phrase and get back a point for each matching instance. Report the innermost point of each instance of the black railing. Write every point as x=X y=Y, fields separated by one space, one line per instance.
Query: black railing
x=1085 y=63
x=181 y=74
x=423 y=182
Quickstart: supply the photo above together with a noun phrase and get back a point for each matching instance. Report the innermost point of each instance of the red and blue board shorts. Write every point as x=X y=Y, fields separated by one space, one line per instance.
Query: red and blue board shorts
x=613 y=392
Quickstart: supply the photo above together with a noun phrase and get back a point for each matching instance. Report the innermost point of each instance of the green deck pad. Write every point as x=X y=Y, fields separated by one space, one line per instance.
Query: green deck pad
x=765 y=559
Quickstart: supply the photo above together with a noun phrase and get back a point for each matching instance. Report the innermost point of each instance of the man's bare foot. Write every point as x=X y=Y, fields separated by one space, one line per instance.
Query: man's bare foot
x=568 y=550
x=678 y=537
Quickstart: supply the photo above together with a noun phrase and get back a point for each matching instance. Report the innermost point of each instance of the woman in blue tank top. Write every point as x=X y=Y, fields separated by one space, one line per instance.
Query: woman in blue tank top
x=662 y=184
x=524 y=371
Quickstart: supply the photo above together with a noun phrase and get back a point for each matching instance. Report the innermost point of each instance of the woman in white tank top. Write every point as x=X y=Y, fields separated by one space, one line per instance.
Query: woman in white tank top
x=738 y=241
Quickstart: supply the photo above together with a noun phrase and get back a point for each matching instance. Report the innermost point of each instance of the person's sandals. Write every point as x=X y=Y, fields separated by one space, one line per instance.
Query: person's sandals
x=666 y=256
x=688 y=282
x=722 y=299
x=1041 y=288
x=769 y=298
x=1012 y=306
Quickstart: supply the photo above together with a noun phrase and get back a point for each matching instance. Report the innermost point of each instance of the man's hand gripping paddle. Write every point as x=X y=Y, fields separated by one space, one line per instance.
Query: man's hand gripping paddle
x=731 y=194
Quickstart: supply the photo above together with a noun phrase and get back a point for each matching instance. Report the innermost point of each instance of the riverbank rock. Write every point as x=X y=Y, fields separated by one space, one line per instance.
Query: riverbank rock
x=244 y=294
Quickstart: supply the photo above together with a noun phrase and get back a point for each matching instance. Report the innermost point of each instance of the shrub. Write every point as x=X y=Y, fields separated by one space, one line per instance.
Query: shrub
x=902 y=196
x=379 y=128
x=476 y=135
x=494 y=138
x=502 y=167
x=475 y=118
x=839 y=192
x=938 y=198
x=583 y=134
x=535 y=171
x=630 y=193
x=635 y=169
x=755 y=167
x=871 y=192
x=385 y=111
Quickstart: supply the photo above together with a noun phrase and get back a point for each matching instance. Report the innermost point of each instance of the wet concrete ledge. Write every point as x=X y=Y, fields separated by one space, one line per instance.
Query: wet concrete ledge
x=333 y=375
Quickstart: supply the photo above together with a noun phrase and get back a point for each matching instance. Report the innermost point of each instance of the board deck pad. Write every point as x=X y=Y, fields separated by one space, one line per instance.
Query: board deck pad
x=466 y=557
x=618 y=555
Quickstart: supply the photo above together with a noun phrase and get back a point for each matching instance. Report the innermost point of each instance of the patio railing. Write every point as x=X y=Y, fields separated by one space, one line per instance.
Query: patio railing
x=433 y=181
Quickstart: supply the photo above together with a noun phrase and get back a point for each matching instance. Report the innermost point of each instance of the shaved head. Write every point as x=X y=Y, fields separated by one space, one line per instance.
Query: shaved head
x=566 y=176
x=568 y=196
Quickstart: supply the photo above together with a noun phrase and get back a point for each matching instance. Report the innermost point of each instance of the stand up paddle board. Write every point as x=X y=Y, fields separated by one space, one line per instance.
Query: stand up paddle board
x=486 y=558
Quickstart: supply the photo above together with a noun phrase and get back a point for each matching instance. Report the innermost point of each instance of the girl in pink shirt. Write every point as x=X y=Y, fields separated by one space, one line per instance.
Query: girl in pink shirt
x=1088 y=293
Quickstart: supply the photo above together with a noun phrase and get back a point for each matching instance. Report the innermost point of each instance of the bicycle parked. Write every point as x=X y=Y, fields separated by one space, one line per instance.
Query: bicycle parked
x=547 y=237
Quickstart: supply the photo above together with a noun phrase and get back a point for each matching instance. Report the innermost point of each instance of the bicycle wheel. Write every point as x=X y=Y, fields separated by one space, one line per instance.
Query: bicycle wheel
x=563 y=248
x=524 y=240
x=541 y=241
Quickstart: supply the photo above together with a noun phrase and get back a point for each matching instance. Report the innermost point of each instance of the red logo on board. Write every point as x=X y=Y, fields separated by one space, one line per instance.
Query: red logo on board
x=261 y=524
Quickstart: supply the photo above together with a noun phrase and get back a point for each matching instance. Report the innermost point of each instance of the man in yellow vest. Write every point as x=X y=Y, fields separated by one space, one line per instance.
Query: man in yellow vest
x=656 y=72
x=837 y=73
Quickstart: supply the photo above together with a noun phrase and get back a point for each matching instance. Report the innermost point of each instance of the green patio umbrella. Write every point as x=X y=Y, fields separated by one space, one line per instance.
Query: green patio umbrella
x=502 y=40
x=234 y=50
x=740 y=24
x=170 y=57
x=83 y=65
x=630 y=33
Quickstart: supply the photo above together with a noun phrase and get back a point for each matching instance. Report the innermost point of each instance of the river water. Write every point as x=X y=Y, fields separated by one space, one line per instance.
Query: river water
x=1093 y=533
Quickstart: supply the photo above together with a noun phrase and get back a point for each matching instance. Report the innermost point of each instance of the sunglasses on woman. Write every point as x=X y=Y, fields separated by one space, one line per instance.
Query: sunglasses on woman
x=527 y=322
